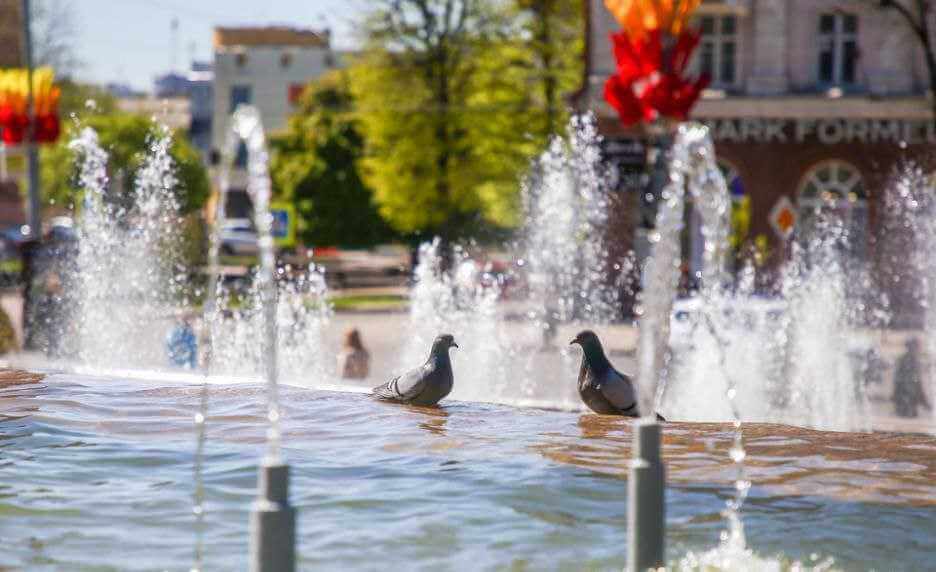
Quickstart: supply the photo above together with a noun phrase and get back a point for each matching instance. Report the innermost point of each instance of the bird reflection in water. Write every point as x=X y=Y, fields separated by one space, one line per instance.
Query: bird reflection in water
x=17 y=390
x=434 y=418
x=601 y=426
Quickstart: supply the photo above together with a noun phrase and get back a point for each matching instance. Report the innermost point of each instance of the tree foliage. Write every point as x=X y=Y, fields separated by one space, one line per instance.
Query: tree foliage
x=413 y=91
x=455 y=97
x=315 y=165
x=125 y=138
x=553 y=39
x=80 y=98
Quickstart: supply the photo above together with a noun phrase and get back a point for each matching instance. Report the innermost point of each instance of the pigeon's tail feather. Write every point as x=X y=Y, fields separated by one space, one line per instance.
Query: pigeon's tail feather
x=385 y=391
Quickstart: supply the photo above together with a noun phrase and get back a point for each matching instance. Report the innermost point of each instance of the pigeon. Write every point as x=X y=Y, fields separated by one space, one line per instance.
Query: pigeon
x=604 y=389
x=424 y=385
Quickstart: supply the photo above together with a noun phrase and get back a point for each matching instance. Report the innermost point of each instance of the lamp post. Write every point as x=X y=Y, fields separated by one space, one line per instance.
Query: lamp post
x=32 y=153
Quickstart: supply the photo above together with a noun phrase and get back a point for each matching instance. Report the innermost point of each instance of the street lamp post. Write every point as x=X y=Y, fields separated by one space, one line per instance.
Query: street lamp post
x=32 y=153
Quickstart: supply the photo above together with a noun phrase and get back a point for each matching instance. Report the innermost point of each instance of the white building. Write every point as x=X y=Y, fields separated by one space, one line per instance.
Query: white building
x=266 y=67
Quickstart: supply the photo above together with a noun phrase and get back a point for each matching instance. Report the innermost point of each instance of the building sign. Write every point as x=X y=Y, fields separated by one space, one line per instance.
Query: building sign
x=830 y=131
x=783 y=217
x=624 y=152
x=284 y=224
x=628 y=159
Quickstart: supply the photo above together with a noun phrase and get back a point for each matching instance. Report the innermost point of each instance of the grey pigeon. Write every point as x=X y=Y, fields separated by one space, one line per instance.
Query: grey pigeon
x=604 y=389
x=426 y=384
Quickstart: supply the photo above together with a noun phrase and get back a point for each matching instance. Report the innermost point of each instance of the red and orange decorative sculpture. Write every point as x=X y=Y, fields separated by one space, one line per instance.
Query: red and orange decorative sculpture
x=14 y=113
x=652 y=54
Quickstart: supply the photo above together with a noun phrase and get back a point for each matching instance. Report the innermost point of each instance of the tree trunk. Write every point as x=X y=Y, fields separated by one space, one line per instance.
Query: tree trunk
x=443 y=159
x=544 y=13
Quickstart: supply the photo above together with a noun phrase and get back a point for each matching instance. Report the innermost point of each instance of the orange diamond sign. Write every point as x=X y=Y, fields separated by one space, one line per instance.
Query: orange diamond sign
x=783 y=217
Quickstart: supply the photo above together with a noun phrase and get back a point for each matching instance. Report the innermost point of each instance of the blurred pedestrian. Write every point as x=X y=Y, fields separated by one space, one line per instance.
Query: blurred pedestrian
x=49 y=320
x=353 y=359
x=908 y=384
x=182 y=345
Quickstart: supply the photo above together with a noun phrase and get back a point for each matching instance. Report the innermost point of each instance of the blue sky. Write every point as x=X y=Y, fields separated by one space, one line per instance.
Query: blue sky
x=130 y=40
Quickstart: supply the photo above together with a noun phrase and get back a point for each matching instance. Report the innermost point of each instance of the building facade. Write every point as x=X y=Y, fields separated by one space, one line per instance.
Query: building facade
x=266 y=67
x=200 y=79
x=810 y=100
x=196 y=88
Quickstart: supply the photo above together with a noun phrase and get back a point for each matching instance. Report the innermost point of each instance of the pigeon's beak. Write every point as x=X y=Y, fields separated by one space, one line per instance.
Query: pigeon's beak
x=574 y=341
x=454 y=345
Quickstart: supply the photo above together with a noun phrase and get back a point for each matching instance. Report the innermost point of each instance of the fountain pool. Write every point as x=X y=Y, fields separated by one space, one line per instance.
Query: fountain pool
x=511 y=472
x=96 y=475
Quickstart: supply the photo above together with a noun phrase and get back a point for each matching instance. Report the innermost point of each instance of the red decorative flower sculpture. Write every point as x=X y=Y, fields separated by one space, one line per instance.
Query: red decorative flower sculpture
x=650 y=81
x=14 y=116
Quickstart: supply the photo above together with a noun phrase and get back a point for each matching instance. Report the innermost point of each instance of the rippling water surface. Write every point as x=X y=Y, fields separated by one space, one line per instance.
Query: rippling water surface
x=96 y=474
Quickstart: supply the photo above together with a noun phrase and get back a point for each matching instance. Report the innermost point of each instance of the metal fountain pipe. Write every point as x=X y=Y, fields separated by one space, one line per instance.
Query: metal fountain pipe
x=272 y=519
x=686 y=157
x=646 y=510
x=646 y=518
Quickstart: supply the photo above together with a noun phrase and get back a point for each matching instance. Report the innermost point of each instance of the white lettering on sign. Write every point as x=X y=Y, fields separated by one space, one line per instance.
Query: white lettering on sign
x=885 y=131
x=825 y=131
x=804 y=127
x=830 y=132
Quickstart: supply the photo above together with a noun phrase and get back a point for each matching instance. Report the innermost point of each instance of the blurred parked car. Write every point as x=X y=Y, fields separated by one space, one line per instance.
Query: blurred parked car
x=753 y=315
x=239 y=238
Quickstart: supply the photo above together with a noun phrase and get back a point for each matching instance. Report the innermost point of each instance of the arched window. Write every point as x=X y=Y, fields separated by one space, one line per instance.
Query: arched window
x=831 y=182
x=834 y=187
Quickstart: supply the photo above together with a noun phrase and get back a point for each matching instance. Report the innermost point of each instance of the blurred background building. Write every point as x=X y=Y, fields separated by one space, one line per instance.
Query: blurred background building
x=267 y=67
x=810 y=103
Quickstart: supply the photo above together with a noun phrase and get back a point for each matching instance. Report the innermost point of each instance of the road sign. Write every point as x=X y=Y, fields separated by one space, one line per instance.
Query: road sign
x=783 y=217
x=284 y=224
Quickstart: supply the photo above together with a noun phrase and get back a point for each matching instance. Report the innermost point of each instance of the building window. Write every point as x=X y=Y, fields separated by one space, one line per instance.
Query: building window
x=295 y=93
x=718 y=49
x=834 y=188
x=832 y=182
x=240 y=94
x=240 y=59
x=285 y=60
x=838 y=48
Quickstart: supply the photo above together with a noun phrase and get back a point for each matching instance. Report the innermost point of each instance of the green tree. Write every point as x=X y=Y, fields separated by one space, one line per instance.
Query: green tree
x=455 y=99
x=412 y=89
x=315 y=165
x=124 y=137
x=553 y=40
x=80 y=98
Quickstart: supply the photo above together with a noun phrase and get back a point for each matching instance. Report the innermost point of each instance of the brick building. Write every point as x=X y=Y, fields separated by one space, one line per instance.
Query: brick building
x=810 y=100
